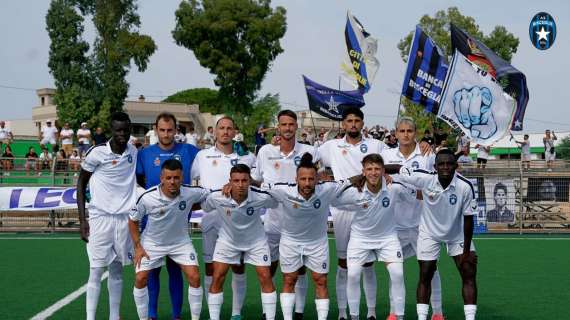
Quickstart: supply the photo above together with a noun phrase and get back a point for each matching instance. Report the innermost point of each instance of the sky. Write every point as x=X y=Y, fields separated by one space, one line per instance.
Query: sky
x=313 y=45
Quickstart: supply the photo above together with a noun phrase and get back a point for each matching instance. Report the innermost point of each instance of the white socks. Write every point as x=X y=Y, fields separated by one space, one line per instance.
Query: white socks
x=239 y=283
x=341 y=277
x=370 y=288
x=207 y=284
x=195 y=302
x=423 y=310
x=141 y=301
x=115 y=289
x=269 y=304
x=93 y=288
x=287 y=303
x=353 y=290
x=470 y=311
x=435 y=298
x=322 y=308
x=215 y=301
x=397 y=288
x=300 y=293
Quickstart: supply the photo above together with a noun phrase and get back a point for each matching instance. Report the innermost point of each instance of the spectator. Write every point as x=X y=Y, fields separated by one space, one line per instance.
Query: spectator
x=45 y=159
x=191 y=137
x=442 y=145
x=304 y=138
x=208 y=139
x=260 y=137
x=549 y=152
x=83 y=138
x=428 y=137
x=482 y=155
x=391 y=141
x=525 y=152
x=48 y=135
x=239 y=136
x=74 y=161
x=66 y=138
x=180 y=136
x=439 y=136
x=464 y=157
x=61 y=160
x=150 y=137
x=320 y=140
x=31 y=160
x=99 y=136
x=463 y=141
x=5 y=135
x=7 y=160
x=133 y=140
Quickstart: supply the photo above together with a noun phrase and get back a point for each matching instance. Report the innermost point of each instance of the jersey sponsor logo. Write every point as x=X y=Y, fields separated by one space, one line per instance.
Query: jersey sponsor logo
x=249 y=211
x=156 y=162
x=234 y=162
x=452 y=199
x=297 y=160
x=415 y=165
x=192 y=256
x=265 y=258
x=215 y=157
x=363 y=148
x=130 y=158
x=317 y=204
x=386 y=202
x=182 y=205
x=177 y=157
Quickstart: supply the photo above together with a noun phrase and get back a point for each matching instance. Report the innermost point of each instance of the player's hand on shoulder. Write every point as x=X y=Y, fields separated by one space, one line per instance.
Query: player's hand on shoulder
x=358 y=181
x=84 y=231
x=227 y=190
x=388 y=178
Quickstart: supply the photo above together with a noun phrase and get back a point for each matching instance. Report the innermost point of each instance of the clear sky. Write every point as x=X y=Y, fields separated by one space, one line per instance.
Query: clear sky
x=313 y=46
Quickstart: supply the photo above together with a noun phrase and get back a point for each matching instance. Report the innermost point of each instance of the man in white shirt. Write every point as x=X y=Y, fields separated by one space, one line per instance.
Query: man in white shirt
x=549 y=151
x=167 y=206
x=150 y=137
x=278 y=163
x=191 y=136
x=449 y=205
x=212 y=167
x=241 y=235
x=6 y=135
x=482 y=155
x=48 y=135
x=208 y=139
x=83 y=138
x=66 y=138
x=109 y=170
x=525 y=151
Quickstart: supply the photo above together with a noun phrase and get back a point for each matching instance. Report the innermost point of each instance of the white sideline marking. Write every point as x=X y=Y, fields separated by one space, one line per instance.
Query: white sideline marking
x=65 y=301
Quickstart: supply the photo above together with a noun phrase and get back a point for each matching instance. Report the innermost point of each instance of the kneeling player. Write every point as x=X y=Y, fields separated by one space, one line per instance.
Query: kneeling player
x=241 y=234
x=166 y=234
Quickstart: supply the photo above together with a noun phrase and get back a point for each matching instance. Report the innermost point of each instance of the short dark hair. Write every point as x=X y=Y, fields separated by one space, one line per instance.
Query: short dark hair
x=499 y=186
x=373 y=158
x=352 y=110
x=171 y=164
x=287 y=113
x=120 y=116
x=306 y=162
x=166 y=116
x=240 y=168
x=445 y=151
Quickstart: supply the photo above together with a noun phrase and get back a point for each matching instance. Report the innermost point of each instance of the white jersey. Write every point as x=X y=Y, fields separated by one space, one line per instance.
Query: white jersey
x=272 y=166
x=409 y=212
x=152 y=137
x=5 y=133
x=241 y=223
x=212 y=167
x=66 y=136
x=305 y=221
x=48 y=133
x=374 y=213
x=83 y=133
x=443 y=209
x=113 y=181
x=344 y=158
x=167 y=218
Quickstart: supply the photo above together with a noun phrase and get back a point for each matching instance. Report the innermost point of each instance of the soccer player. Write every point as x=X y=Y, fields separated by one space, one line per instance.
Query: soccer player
x=409 y=154
x=109 y=170
x=373 y=233
x=278 y=163
x=344 y=157
x=167 y=207
x=448 y=207
x=304 y=243
x=241 y=234
x=150 y=160
x=212 y=166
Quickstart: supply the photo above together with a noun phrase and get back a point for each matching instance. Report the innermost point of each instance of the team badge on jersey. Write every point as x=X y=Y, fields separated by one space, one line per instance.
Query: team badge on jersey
x=365 y=206
x=297 y=160
x=363 y=148
x=386 y=202
x=399 y=254
x=228 y=212
x=182 y=205
x=177 y=157
x=130 y=158
x=130 y=255
x=114 y=162
x=265 y=257
x=276 y=165
x=324 y=265
x=214 y=163
x=452 y=199
x=156 y=162
x=344 y=152
x=234 y=162
x=317 y=204
x=249 y=211
x=415 y=165
x=192 y=256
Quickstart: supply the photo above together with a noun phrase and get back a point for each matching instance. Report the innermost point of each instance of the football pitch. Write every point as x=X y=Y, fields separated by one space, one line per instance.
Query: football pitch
x=519 y=277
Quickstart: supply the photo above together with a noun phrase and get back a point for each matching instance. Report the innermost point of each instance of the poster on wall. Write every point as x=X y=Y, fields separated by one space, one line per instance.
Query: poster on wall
x=480 y=219
x=500 y=198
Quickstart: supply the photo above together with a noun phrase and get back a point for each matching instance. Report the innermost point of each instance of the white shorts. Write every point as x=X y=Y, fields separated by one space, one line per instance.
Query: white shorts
x=273 y=240
x=210 y=226
x=257 y=254
x=361 y=251
x=549 y=156
x=294 y=255
x=48 y=140
x=182 y=253
x=342 y=220
x=109 y=240
x=409 y=241
x=428 y=247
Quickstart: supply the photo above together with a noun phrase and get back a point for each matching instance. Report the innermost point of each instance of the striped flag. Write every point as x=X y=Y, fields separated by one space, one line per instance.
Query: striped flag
x=425 y=75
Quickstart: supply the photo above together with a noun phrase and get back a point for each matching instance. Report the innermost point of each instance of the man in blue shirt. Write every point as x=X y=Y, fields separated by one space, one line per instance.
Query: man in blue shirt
x=149 y=162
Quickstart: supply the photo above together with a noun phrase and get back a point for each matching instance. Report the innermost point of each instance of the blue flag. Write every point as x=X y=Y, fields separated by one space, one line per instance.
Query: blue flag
x=426 y=72
x=329 y=102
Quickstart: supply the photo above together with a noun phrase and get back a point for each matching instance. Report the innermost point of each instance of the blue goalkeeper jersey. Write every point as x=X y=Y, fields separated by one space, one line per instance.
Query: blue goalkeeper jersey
x=151 y=158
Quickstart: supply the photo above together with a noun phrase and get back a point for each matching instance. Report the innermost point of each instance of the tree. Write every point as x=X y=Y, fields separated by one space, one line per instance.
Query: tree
x=237 y=40
x=563 y=148
x=88 y=87
x=263 y=111
x=206 y=98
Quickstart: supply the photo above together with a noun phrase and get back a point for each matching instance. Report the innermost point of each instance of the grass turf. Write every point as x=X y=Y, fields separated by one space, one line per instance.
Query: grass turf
x=519 y=277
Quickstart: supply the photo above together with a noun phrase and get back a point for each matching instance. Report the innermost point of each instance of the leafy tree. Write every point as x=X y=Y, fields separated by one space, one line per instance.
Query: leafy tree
x=563 y=148
x=206 y=98
x=237 y=40
x=263 y=111
x=88 y=86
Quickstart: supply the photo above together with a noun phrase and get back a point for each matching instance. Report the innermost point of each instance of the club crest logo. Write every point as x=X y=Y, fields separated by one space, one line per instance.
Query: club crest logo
x=249 y=211
x=452 y=199
x=182 y=205
x=386 y=202
x=317 y=204
x=233 y=162
x=297 y=160
x=542 y=31
x=415 y=165
x=363 y=148
x=177 y=157
x=192 y=256
x=324 y=265
x=399 y=254
x=265 y=257
x=130 y=255
x=214 y=163
x=156 y=162
x=276 y=165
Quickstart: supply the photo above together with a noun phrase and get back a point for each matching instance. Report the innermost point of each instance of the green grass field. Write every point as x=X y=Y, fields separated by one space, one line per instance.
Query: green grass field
x=520 y=277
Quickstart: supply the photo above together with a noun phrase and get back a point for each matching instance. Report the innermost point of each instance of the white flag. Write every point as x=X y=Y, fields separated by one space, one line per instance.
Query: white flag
x=474 y=102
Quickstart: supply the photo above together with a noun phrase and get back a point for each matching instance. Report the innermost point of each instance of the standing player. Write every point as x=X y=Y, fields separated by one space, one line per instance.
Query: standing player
x=212 y=166
x=150 y=160
x=241 y=234
x=344 y=157
x=448 y=207
x=409 y=154
x=279 y=164
x=167 y=207
x=109 y=170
